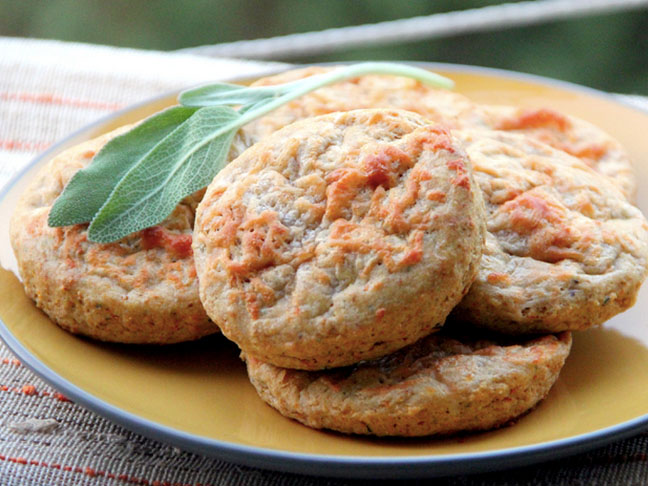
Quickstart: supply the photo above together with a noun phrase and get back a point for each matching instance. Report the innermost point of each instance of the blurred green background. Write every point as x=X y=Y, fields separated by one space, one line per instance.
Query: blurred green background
x=605 y=51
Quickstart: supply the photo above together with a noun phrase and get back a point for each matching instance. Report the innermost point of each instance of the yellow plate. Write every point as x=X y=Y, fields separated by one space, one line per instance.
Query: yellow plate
x=197 y=395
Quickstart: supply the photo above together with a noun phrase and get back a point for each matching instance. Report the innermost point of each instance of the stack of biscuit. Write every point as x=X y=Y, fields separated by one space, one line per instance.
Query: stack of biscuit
x=391 y=259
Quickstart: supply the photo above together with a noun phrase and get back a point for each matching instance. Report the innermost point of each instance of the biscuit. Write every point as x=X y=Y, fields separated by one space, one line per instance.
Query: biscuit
x=140 y=289
x=577 y=137
x=564 y=250
x=440 y=385
x=339 y=238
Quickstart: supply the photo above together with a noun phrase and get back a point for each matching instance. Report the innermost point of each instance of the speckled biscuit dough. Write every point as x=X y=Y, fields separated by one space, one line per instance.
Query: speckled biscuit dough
x=440 y=385
x=140 y=289
x=564 y=250
x=339 y=238
x=570 y=134
x=577 y=137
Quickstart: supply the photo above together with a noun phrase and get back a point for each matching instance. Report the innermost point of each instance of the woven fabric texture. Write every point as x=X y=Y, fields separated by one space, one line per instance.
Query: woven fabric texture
x=49 y=89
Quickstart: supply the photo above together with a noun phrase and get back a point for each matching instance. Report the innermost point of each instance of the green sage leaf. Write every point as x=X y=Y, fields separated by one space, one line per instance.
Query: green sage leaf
x=255 y=106
x=220 y=94
x=90 y=187
x=185 y=161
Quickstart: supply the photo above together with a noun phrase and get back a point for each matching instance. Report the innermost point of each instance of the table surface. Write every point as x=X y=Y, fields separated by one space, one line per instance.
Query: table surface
x=48 y=89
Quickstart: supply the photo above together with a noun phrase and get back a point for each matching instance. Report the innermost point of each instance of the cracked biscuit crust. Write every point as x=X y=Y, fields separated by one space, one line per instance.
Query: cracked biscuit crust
x=339 y=238
x=141 y=289
x=564 y=249
x=442 y=384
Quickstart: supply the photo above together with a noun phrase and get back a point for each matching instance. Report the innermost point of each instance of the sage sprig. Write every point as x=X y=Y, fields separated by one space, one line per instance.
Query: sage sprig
x=89 y=188
x=138 y=178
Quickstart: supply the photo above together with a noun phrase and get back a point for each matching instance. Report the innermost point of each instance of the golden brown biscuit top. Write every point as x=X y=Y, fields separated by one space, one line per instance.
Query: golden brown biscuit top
x=365 y=195
x=160 y=255
x=569 y=134
x=334 y=223
x=450 y=364
x=551 y=207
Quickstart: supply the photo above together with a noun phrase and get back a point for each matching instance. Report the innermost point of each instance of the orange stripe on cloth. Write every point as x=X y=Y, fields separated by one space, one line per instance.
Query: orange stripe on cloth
x=52 y=99
x=31 y=390
x=23 y=145
x=88 y=471
x=10 y=361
